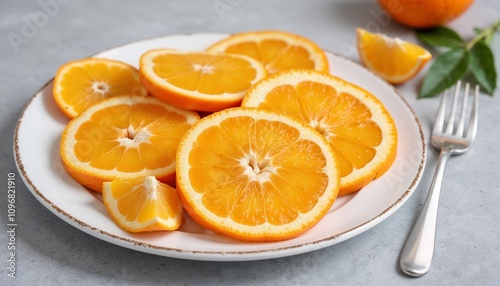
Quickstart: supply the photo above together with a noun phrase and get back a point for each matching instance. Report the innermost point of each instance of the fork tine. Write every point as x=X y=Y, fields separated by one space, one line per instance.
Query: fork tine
x=439 y=121
x=451 y=121
x=460 y=127
x=471 y=131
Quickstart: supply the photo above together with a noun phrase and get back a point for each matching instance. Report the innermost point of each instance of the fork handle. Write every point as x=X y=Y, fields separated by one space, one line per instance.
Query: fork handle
x=417 y=253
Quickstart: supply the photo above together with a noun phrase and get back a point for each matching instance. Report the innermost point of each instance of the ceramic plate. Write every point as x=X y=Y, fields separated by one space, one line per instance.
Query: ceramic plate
x=41 y=169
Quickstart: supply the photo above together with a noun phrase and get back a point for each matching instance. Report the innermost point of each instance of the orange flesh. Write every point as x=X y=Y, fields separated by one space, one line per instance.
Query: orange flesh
x=207 y=74
x=340 y=117
x=130 y=139
x=276 y=55
x=84 y=85
x=393 y=59
x=140 y=204
x=398 y=59
x=256 y=177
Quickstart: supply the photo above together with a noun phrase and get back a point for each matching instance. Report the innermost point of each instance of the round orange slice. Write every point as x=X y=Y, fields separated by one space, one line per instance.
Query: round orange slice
x=277 y=50
x=124 y=137
x=199 y=80
x=355 y=123
x=392 y=59
x=142 y=204
x=79 y=84
x=255 y=175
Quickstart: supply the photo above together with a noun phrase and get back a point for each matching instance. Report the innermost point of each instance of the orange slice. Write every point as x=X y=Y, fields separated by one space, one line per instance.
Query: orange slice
x=79 y=84
x=392 y=59
x=124 y=137
x=142 y=204
x=255 y=175
x=199 y=80
x=357 y=125
x=277 y=50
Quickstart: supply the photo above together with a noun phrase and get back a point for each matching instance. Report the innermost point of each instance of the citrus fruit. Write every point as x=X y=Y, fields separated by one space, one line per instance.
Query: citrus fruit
x=79 y=84
x=255 y=175
x=360 y=130
x=392 y=59
x=142 y=204
x=277 y=50
x=424 y=13
x=199 y=80
x=124 y=137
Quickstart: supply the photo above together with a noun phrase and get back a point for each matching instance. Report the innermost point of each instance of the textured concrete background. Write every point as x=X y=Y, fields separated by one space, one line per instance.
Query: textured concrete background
x=51 y=252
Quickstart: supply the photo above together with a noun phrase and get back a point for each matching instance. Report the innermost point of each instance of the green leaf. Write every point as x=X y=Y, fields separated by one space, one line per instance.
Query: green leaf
x=440 y=37
x=446 y=70
x=482 y=64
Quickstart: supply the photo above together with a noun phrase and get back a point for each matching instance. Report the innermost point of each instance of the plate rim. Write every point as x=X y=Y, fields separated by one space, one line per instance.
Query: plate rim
x=208 y=255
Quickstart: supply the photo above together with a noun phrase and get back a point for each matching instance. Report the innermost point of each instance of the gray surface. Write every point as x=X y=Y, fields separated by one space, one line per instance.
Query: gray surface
x=51 y=252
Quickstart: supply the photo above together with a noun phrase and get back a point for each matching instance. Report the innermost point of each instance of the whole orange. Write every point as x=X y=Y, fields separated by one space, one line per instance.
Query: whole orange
x=424 y=13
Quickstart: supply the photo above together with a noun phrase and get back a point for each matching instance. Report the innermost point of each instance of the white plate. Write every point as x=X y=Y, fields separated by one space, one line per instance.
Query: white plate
x=41 y=169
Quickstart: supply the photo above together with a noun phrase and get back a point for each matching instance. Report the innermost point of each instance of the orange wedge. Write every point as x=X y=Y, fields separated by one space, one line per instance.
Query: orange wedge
x=199 y=80
x=142 y=204
x=277 y=50
x=79 y=84
x=124 y=137
x=355 y=123
x=255 y=175
x=392 y=59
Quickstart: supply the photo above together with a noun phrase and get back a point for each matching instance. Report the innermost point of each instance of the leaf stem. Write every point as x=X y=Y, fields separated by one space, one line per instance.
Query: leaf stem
x=484 y=33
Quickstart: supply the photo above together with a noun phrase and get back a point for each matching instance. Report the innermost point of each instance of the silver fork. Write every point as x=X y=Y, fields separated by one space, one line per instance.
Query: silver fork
x=416 y=256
